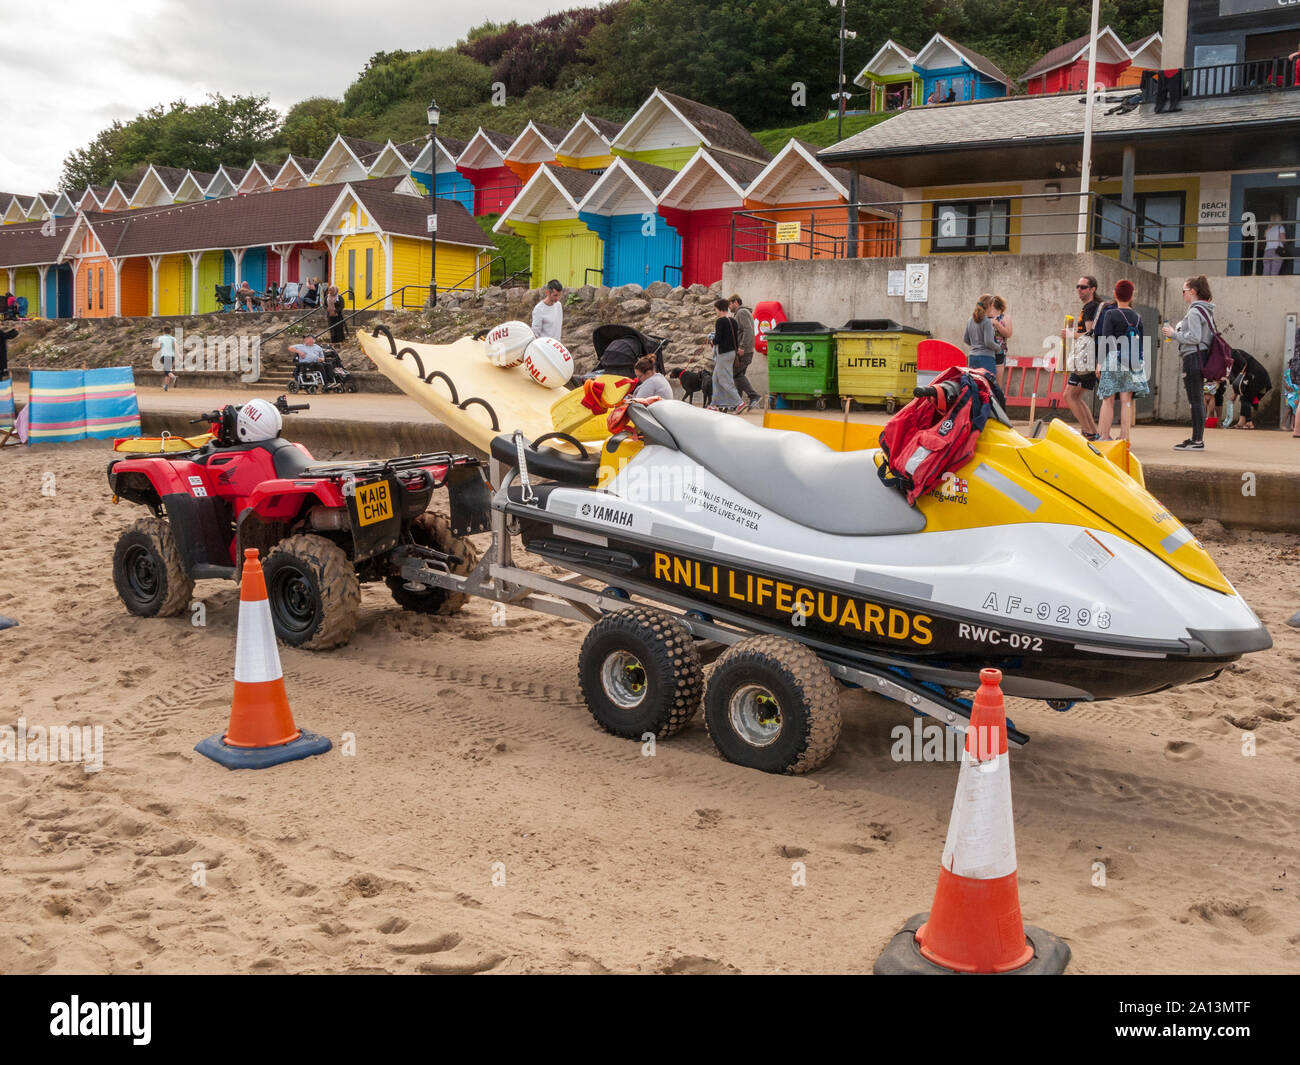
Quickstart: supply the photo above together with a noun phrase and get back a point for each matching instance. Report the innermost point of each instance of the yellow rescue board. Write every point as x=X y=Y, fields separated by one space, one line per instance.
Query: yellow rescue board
x=157 y=445
x=516 y=399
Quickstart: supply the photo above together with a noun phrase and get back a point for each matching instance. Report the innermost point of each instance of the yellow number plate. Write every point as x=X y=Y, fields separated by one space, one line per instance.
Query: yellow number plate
x=374 y=504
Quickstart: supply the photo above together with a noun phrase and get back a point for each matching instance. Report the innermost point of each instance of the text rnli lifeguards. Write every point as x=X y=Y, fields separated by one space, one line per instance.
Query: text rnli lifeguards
x=802 y=604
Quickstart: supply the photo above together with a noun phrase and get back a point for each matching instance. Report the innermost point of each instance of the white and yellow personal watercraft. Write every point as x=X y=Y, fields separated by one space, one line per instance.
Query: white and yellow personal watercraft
x=1043 y=558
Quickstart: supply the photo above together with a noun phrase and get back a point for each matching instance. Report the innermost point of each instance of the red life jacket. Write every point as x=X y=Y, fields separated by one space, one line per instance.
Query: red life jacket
x=931 y=436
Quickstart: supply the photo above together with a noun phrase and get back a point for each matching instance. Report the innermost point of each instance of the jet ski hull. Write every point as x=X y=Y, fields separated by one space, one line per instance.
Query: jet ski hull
x=1048 y=647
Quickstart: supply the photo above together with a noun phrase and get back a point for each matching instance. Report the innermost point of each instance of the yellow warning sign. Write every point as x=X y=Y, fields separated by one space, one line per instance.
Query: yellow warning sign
x=787 y=232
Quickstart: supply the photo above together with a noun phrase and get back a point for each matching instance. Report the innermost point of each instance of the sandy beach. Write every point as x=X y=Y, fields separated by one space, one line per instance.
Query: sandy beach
x=479 y=821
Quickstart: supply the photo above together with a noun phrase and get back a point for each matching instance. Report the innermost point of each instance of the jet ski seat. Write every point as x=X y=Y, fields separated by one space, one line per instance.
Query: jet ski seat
x=789 y=473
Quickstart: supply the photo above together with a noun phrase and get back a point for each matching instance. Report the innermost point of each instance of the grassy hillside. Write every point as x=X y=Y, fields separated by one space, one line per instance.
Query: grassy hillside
x=820 y=133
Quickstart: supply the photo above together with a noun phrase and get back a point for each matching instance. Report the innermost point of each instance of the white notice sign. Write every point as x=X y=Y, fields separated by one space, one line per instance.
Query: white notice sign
x=895 y=286
x=917 y=283
x=431 y=223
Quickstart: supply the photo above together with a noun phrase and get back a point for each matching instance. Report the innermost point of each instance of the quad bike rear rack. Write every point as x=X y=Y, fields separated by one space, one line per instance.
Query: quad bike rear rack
x=587 y=597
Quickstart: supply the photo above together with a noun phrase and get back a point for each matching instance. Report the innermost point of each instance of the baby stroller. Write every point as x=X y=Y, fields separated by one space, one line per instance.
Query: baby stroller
x=619 y=347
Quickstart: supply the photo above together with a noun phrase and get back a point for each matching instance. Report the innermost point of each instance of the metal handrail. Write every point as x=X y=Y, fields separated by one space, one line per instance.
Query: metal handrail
x=599 y=270
x=821 y=237
x=319 y=307
x=664 y=276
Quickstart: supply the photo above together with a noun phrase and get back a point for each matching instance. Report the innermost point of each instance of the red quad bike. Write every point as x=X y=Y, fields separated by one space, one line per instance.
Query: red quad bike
x=322 y=529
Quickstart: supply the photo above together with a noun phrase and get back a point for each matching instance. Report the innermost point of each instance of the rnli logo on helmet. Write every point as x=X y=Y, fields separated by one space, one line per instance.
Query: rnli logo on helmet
x=252 y=412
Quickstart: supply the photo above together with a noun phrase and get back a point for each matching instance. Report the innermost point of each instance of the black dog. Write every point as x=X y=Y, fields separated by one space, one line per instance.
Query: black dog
x=693 y=381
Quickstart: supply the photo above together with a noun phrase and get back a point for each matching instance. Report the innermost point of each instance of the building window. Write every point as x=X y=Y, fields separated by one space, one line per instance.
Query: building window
x=352 y=269
x=101 y=288
x=90 y=289
x=370 y=265
x=970 y=225
x=1159 y=218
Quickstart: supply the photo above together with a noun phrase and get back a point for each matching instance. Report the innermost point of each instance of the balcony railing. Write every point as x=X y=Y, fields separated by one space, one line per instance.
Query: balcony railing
x=1230 y=79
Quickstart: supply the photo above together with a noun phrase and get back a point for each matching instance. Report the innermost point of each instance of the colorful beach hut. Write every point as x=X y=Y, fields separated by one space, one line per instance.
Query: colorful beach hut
x=890 y=79
x=436 y=162
x=700 y=203
x=797 y=211
x=587 y=144
x=483 y=164
x=952 y=73
x=347 y=159
x=29 y=259
x=1144 y=55
x=294 y=173
x=224 y=182
x=622 y=208
x=668 y=129
x=379 y=246
x=163 y=184
x=1065 y=69
x=534 y=146
x=545 y=214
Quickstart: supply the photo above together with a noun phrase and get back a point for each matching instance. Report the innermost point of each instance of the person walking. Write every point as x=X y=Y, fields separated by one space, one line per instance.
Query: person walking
x=650 y=382
x=745 y=349
x=1121 y=368
x=725 y=395
x=982 y=338
x=1081 y=381
x=165 y=347
x=1194 y=334
x=548 y=314
x=1002 y=327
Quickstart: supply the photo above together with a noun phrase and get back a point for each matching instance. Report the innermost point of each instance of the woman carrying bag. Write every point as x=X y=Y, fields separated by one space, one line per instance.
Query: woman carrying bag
x=1194 y=335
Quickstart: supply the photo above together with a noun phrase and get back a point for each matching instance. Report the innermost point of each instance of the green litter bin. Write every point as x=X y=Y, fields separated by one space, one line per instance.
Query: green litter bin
x=877 y=361
x=801 y=362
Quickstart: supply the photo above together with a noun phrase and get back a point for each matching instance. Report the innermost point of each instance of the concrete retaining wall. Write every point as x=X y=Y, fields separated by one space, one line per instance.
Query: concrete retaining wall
x=1039 y=289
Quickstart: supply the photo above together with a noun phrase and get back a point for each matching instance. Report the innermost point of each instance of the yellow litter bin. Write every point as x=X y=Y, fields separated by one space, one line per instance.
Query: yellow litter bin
x=877 y=361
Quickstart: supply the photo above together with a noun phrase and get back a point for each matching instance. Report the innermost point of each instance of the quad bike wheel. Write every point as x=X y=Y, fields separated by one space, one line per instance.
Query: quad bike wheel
x=640 y=672
x=772 y=705
x=148 y=571
x=434 y=530
x=313 y=592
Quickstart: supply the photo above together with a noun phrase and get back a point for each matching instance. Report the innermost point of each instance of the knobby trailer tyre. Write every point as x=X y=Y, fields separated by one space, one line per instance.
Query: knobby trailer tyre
x=772 y=704
x=640 y=672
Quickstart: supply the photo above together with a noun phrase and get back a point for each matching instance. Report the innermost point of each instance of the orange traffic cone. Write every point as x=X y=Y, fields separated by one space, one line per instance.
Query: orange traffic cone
x=974 y=925
x=261 y=732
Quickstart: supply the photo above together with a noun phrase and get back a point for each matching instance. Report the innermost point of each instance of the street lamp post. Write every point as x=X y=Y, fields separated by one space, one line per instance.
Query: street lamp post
x=433 y=203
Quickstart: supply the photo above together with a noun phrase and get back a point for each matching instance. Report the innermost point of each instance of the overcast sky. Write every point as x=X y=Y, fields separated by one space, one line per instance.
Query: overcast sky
x=75 y=66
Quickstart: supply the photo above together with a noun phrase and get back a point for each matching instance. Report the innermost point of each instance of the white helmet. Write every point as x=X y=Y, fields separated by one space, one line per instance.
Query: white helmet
x=506 y=343
x=258 y=420
x=548 y=362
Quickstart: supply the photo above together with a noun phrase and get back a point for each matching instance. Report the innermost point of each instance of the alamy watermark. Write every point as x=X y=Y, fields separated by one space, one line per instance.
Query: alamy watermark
x=215 y=354
x=53 y=743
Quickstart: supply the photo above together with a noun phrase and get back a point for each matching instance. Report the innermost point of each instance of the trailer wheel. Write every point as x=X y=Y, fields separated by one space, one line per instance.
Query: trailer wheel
x=640 y=672
x=434 y=530
x=148 y=570
x=772 y=705
x=313 y=592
